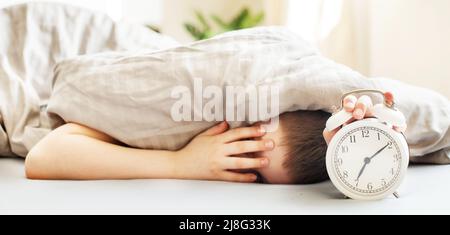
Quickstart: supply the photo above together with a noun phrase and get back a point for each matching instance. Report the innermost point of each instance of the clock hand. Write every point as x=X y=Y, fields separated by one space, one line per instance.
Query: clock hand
x=379 y=151
x=362 y=170
x=368 y=160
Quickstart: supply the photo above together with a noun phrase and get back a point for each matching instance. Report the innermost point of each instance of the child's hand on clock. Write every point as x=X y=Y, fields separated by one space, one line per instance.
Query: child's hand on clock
x=361 y=109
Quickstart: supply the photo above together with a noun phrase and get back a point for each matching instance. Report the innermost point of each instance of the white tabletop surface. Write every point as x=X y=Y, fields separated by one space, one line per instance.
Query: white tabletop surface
x=426 y=191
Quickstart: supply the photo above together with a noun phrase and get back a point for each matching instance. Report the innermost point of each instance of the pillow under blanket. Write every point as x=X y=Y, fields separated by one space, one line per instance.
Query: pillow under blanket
x=129 y=96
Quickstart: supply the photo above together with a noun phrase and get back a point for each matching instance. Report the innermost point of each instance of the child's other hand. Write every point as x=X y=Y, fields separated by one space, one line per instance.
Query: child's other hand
x=361 y=109
x=217 y=154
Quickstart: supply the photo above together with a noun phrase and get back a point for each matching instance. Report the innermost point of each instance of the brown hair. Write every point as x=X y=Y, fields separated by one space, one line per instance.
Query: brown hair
x=305 y=160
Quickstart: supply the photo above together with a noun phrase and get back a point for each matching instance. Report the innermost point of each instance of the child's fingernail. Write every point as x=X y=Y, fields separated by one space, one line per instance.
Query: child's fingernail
x=359 y=113
x=269 y=144
x=349 y=104
x=264 y=162
x=389 y=97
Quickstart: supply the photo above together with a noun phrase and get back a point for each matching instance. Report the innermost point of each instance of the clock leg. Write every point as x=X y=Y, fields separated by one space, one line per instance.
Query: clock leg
x=397 y=195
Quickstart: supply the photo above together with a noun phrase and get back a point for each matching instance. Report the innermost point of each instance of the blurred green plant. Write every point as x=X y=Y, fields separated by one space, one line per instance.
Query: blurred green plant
x=204 y=30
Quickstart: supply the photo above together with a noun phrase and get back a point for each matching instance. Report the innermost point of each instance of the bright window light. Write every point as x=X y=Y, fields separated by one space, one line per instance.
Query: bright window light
x=314 y=20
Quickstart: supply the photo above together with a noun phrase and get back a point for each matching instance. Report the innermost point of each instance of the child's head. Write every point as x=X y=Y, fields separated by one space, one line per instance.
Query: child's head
x=299 y=156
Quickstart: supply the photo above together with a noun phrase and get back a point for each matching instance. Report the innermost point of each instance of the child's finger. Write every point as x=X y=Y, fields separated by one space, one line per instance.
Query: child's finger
x=243 y=133
x=216 y=130
x=362 y=107
x=400 y=128
x=235 y=163
x=389 y=98
x=242 y=147
x=238 y=177
x=328 y=136
x=349 y=103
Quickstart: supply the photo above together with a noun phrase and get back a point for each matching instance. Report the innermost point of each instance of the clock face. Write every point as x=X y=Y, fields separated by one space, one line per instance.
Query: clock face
x=367 y=160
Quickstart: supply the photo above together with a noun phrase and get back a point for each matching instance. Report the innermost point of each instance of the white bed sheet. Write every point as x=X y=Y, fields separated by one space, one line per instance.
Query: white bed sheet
x=426 y=192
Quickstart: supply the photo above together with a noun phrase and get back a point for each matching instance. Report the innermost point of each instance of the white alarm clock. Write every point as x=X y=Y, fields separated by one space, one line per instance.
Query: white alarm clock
x=368 y=159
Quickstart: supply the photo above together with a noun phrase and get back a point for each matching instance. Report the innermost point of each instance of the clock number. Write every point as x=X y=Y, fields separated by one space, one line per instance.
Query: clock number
x=340 y=162
x=396 y=158
x=379 y=136
x=390 y=145
x=366 y=134
x=369 y=186
x=345 y=174
x=353 y=139
x=383 y=183
x=344 y=149
x=392 y=171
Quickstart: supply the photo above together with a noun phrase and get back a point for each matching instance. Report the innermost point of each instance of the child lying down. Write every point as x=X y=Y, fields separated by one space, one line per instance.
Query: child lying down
x=294 y=154
x=117 y=107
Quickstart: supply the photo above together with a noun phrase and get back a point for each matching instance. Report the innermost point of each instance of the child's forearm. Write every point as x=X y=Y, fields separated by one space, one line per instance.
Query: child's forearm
x=76 y=152
x=81 y=157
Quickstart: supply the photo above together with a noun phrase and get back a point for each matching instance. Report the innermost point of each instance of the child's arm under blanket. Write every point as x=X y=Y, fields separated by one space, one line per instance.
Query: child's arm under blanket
x=257 y=57
x=322 y=82
x=428 y=117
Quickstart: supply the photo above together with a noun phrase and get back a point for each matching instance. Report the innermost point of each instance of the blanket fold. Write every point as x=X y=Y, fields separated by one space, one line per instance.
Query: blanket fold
x=127 y=90
x=36 y=36
x=129 y=96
